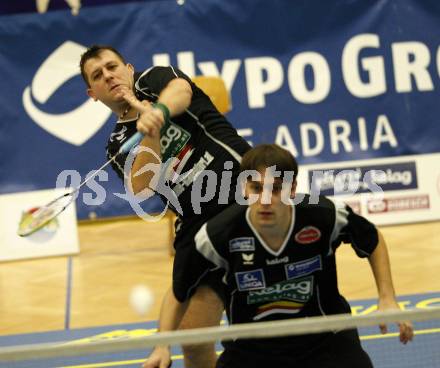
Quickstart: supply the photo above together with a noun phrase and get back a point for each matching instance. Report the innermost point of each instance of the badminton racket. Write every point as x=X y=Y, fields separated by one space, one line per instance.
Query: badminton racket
x=43 y=215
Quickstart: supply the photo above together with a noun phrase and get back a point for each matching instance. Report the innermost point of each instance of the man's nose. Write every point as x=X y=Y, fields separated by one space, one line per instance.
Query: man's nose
x=107 y=74
x=266 y=196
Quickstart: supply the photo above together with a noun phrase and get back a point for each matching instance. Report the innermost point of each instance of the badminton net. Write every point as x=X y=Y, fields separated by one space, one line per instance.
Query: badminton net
x=385 y=350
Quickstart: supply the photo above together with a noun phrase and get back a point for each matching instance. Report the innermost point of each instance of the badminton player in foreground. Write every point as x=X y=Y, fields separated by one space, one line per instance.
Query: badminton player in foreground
x=178 y=121
x=279 y=263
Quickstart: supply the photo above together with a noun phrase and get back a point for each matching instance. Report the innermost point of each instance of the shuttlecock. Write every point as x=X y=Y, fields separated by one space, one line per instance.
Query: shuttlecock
x=141 y=299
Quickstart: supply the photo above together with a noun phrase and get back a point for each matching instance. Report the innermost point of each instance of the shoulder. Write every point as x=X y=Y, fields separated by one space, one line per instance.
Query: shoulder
x=159 y=72
x=142 y=86
x=214 y=235
x=150 y=71
x=224 y=222
x=226 y=219
x=311 y=204
x=150 y=82
x=320 y=211
x=321 y=205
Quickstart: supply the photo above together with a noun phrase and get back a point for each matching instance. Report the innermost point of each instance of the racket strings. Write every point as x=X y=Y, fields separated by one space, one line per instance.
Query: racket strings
x=45 y=214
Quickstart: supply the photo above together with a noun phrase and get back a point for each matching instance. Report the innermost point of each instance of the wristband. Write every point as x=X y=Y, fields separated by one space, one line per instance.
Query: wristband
x=164 y=109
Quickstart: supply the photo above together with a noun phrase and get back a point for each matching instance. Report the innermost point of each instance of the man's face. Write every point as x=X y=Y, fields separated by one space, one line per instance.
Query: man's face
x=269 y=200
x=108 y=76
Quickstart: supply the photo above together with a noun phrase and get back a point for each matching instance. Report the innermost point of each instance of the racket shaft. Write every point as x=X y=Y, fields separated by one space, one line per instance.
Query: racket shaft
x=132 y=141
x=45 y=214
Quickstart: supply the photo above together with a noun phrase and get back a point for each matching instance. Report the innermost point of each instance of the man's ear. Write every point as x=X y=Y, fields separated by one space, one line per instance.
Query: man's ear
x=91 y=94
x=243 y=189
x=130 y=68
x=293 y=189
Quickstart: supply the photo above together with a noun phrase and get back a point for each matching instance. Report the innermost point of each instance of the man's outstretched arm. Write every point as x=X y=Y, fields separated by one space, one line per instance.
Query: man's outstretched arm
x=171 y=315
x=172 y=101
x=380 y=265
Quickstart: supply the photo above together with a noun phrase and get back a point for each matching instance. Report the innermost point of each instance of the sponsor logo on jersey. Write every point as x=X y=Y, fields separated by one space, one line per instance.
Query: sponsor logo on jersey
x=242 y=245
x=298 y=290
x=302 y=268
x=248 y=259
x=308 y=235
x=186 y=179
x=403 y=203
x=173 y=139
x=119 y=135
x=279 y=307
x=275 y=261
x=75 y=126
x=250 y=280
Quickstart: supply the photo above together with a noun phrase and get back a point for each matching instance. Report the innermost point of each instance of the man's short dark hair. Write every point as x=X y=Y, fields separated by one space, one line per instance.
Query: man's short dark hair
x=267 y=155
x=93 y=52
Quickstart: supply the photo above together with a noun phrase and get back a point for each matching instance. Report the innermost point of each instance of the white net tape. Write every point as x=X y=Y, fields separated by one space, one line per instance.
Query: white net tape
x=213 y=334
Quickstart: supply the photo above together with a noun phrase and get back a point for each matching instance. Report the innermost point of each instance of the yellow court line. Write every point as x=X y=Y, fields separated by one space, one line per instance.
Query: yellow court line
x=109 y=364
x=180 y=356
x=115 y=364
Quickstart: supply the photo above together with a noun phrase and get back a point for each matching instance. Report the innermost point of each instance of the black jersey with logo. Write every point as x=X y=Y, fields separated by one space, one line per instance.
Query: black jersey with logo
x=201 y=139
x=298 y=280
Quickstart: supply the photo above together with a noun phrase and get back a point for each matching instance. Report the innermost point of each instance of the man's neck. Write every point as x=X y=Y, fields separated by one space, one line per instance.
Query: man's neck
x=274 y=238
x=276 y=235
x=126 y=113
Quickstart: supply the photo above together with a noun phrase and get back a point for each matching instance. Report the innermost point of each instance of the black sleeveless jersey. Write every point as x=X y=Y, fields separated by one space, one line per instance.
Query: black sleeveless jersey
x=201 y=139
x=298 y=280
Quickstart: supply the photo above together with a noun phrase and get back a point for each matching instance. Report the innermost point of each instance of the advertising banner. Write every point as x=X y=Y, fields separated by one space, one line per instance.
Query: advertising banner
x=387 y=191
x=331 y=81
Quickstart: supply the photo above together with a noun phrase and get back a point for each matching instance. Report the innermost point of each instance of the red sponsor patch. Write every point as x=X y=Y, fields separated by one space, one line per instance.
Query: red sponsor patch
x=395 y=204
x=307 y=235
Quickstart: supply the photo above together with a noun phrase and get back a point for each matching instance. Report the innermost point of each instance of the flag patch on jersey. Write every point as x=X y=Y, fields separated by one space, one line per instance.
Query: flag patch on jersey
x=250 y=280
x=307 y=235
x=302 y=268
x=242 y=245
x=280 y=307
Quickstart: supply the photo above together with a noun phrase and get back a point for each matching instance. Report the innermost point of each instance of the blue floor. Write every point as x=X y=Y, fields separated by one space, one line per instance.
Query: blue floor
x=385 y=350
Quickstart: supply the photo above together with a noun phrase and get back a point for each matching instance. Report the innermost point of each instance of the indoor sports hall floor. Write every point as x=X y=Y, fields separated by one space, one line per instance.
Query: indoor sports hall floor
x=86 y=296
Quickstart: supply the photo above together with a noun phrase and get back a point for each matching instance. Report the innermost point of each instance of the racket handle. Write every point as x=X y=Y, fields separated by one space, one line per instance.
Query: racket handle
x=133 y=141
